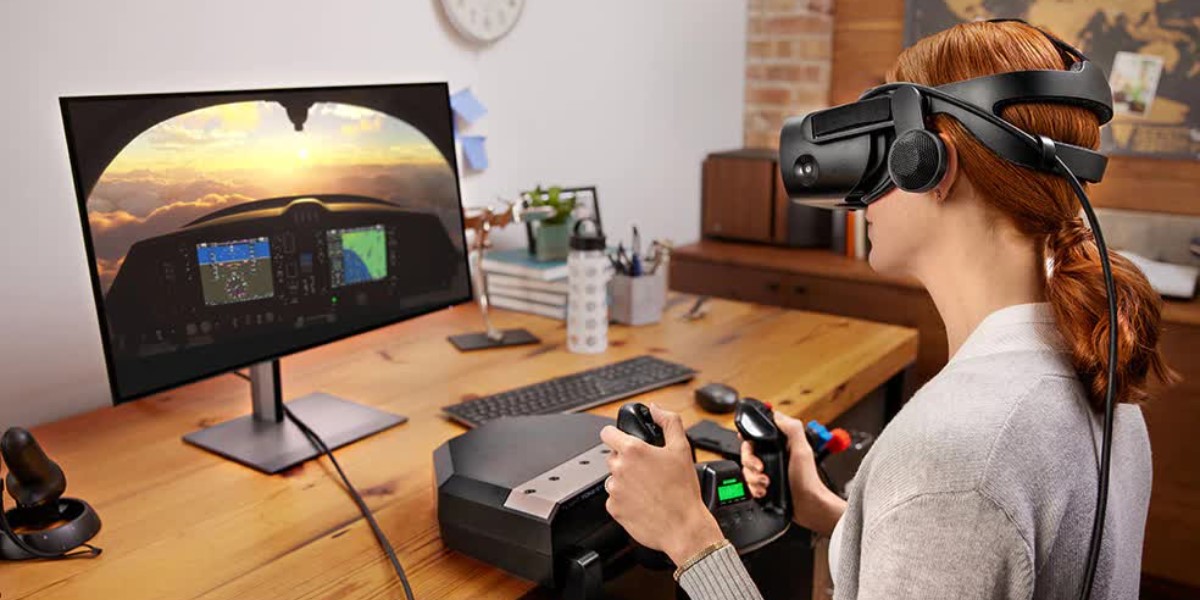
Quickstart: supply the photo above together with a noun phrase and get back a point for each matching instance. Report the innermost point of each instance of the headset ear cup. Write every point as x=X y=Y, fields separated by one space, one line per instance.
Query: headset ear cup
x=917 y=161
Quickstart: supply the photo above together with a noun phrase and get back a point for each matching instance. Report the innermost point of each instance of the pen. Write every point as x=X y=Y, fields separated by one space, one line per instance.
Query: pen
x=623 y=258
x=615 y=263
x=635 y=264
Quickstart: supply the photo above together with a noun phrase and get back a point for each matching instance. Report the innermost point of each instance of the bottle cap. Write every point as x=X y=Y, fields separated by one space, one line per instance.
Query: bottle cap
x=589 y=240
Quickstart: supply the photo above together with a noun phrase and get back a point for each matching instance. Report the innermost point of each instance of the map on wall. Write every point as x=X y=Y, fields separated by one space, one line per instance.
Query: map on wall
x=1150 y=50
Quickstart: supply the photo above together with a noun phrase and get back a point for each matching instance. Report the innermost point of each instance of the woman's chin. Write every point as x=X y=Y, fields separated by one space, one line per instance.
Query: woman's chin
x=881 y=263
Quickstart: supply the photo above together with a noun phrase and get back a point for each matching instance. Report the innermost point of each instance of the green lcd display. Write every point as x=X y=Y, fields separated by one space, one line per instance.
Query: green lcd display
x=731 y=489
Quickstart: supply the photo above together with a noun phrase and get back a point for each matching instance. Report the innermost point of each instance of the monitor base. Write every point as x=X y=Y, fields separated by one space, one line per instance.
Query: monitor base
x=467 y=342
x=272 y=447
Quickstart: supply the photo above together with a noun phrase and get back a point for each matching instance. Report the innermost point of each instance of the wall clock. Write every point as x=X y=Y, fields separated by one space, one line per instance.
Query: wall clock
x=483 y=21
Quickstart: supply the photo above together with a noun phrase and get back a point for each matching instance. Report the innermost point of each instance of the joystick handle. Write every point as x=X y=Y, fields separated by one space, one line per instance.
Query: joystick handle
x=33 y=480
x=635 y=419
x=755 y=421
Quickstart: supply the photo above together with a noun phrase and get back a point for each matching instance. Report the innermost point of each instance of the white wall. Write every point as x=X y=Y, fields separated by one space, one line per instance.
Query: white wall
x=628 y=95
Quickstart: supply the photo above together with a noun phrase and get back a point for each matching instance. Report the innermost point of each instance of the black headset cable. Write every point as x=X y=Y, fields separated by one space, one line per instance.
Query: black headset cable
x=320 y=445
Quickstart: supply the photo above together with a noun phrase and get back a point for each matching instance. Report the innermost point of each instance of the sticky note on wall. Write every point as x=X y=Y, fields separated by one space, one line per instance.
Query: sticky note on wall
x=467 y=106
x=474 y=151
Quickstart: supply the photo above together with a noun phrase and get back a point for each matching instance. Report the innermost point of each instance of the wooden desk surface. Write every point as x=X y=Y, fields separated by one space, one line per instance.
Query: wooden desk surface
x=182 y=523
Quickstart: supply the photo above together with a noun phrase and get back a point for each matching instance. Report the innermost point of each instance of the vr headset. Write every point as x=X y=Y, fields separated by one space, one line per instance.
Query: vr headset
x=849 y=156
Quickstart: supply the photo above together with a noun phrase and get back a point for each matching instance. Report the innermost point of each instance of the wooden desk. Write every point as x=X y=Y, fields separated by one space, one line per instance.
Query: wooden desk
x=182 y=523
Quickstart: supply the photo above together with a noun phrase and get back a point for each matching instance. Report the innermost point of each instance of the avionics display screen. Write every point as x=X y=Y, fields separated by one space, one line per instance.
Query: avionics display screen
x=228 y=228
x=357 y=255
x=235 y=271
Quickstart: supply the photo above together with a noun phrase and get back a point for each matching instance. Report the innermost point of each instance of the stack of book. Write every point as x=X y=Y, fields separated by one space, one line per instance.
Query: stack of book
x=515 y=281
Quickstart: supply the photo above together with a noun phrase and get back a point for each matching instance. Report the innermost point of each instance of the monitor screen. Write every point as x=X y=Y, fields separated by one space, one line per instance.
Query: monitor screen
x=228 y=228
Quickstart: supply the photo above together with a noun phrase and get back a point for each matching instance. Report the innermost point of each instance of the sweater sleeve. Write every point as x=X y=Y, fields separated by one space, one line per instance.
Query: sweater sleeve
x=945 y=545
x=719 y=576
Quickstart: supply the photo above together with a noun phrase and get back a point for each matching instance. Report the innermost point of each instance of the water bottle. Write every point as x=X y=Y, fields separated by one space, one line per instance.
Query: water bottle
x=588 y=272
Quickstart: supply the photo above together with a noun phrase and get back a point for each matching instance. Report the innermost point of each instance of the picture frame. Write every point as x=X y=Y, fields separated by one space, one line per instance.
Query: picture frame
x=587 y=206
x=1134 y=82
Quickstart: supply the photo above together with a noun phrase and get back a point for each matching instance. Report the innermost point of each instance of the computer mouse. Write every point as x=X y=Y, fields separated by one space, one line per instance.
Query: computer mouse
x=717 y=398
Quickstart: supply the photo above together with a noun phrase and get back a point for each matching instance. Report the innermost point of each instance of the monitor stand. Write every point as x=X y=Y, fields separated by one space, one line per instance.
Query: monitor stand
x=265 y=440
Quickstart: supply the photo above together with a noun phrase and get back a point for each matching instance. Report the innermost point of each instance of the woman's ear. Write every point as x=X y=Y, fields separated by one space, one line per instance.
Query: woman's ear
x=942 y=191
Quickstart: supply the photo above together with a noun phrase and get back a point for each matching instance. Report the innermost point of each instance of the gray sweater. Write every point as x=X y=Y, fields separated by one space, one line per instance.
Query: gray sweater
x=984 y=485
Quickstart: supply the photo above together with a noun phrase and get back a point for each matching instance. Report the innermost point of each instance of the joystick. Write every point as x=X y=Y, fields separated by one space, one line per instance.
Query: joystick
x=755 y=421
x=635 y=419
x=749 y=524
x=43 y=524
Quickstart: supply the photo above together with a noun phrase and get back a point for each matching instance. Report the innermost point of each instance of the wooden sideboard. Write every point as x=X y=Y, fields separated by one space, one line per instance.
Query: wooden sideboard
x=815 y=280
x=822 y=281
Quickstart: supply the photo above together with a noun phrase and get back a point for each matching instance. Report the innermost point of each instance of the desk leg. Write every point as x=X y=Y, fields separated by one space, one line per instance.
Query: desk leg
x=894 y=394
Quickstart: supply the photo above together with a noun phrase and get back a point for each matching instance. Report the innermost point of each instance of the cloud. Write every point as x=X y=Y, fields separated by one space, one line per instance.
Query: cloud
x=173 y=136
x=364 y=125
x=236 y=116
x=417 y=153
x=239 y=116
x=345 y=111
x=107 y=269
x=202 y=205
x=398 y=183
x=127 y=196
x=141 y=192
x=103 y=222
x=221 y=126
x=114 y=232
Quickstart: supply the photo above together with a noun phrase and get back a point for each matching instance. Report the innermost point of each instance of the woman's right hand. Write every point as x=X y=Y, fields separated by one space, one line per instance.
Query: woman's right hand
x=814 y=506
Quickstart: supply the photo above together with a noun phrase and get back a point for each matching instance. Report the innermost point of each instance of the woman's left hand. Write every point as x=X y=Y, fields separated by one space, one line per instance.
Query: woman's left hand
x=654 y=492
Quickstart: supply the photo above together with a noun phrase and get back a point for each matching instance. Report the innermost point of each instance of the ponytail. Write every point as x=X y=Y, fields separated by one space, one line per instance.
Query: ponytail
x=1075 y=289
x=1042 y=206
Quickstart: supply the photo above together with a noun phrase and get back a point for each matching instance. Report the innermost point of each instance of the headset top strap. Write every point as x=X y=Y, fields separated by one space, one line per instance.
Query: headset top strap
x=1058 y=42
x=1084 y=85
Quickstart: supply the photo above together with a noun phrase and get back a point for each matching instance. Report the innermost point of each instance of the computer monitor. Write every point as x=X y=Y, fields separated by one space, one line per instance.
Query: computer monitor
x=228 y=229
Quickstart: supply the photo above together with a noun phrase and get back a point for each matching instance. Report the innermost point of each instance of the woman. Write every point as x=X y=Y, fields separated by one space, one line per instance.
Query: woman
x=983 y=486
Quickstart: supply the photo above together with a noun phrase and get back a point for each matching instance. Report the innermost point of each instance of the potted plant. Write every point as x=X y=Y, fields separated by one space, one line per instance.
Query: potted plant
x=550 y=237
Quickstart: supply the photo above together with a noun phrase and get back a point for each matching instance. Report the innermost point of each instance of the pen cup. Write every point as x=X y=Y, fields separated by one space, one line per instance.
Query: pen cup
x=637 y=300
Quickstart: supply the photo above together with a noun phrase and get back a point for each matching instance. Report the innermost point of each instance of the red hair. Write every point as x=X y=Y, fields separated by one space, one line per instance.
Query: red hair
x=1043 y=207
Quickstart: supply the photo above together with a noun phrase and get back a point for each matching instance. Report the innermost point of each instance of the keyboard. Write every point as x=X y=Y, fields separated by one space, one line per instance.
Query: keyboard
x=574 y=392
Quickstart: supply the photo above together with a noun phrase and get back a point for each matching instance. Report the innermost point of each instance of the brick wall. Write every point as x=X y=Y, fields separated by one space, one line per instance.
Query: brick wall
x=788 y=49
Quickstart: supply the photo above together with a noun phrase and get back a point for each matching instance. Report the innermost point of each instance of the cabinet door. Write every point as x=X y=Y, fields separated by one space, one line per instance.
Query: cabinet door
x=724 y=281
x=780 y=204
x=1173 y=417
x=738 y=198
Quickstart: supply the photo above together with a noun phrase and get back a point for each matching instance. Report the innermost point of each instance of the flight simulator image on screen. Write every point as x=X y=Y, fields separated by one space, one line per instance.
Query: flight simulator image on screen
x=357 y=255
x=235 y=271
x=229 y=227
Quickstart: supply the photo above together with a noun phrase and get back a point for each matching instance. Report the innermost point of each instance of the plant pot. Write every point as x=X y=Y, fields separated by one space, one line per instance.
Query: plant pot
x=552 y=242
